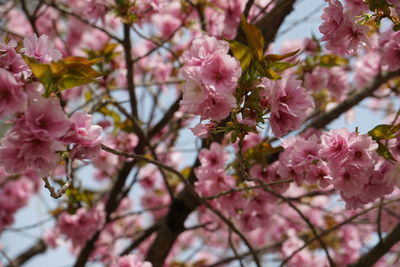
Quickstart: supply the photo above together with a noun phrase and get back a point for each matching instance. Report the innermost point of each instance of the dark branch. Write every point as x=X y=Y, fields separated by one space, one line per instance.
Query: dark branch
x=38 y=248
x=271 y=22
x=129 y=67
x=372 y=256
x=325 y=118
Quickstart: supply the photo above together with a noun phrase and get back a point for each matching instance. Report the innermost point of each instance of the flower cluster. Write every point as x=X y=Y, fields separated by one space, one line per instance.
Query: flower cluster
x=288 y=102
x=79 y=227
x=390 y=44
x=211 y=174
x=40 y=127
x=333 y=79
x=14 y=194
x=211 y=77
x=348 y=161
x=342 y=34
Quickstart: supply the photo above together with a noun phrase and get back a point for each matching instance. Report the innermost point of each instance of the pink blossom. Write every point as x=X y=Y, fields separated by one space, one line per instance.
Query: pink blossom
x=166 y=23
x=45 y=119
x=212 y=77
x=203 y=130
x=340 y=32
x=333 y=19
x=249 y=141
x=79 y=227
x=334 y=79
x=153 y=199
x=201 y=48
x=213 y=181
x=148 y=177
x=303 y=257
x=20 y=152
x=82 y=131
x=48 y=22
x=350 y=181
x=311 y=46
x=297 y=157
x=91 y=9
x=374 y=190
x=362 y=151
x=318 y=174
x=130 y=261
x=17 y=21
x=213 y=158
x=83 y=152
x=389 y=215
x=220 y=73
x=390 y=52
x=52 y=238
x=350 y=244
x=215 y=108
x=348 y=39
x=337 y=83
x=11 y=61
x=289 y=104
x=14 y=194
x=396 y=5
x=356 y=7
x=367 y=67
x=270 y=174
x=40 y=48
x=233 y=10
x=12 y=96
x=107 y=163
x=334 y=145
x=317 y=79
x=95 y=9
x=11 y=156
x=194 y=93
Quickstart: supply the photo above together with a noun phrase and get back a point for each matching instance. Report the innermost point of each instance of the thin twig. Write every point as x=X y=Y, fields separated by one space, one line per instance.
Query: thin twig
x=235 y=190
x=305 y=219
x=372 y=256
x=144 y=235
x=190 y=187
x=332 y=229
x=379 y=220
x=57 y=194
x=80 y=18
x=233 y=248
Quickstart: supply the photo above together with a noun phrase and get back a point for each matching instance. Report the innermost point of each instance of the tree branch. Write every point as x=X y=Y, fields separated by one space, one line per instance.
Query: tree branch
x=372 y=256
x=325 y=118
x=38 y=248
x=129 y=67
x=271 y=22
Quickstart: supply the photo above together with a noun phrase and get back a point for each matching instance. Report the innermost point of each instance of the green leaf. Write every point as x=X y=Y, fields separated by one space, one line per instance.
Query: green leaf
x=267 y=71
x=332 y=60
x=274 y=57
x=384 y=131
x=272 y=74
x=254 y=38
x=234 y=137
x=396 y=27
x=64 y=74
x=383 y=151
x=281 y=66
x=111 y=113
x=242 y=53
